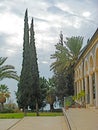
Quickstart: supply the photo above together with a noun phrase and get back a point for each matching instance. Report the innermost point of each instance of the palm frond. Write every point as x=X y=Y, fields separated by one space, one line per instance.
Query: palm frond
x=7 y=71
x=2 y=60
x=66 y=55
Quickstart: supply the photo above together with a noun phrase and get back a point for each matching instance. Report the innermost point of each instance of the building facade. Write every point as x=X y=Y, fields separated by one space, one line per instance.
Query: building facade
x=86 y=72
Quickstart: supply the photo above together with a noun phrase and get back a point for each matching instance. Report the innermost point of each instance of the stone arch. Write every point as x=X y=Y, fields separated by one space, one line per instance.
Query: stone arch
x=86 y=67
x=91 y=63
x=79 y=72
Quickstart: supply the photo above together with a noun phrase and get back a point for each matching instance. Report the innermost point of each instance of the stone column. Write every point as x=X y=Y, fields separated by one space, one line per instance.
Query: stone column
x=77 y=87
x=96 y=89
x=82 y=85
x=91 y=89
x=86 y=91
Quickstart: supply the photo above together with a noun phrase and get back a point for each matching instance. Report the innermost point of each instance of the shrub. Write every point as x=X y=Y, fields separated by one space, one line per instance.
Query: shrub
x=69 y=101
x=7 y=110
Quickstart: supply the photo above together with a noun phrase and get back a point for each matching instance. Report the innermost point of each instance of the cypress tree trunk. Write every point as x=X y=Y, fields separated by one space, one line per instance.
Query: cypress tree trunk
x=51 y=107
x=25 y=111
x=37 y=109
x=2 y=106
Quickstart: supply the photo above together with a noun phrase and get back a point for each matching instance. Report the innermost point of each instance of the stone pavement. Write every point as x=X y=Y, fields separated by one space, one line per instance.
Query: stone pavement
x=76 y=118
x=40 y=123
x=7 y=123
x=82 y=119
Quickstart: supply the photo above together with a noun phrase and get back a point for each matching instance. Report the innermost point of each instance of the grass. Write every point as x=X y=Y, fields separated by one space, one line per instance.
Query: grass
x=21 y=115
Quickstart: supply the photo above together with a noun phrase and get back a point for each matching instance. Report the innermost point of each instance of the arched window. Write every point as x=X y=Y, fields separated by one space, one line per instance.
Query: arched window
x=91 y=62
x=86 y=67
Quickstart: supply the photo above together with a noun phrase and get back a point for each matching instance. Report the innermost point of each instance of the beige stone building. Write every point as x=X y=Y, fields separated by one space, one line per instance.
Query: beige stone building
x=86 y=72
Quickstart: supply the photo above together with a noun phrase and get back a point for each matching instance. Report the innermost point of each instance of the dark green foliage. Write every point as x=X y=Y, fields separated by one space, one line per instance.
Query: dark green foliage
x=33 y=63
x=70 y=80
x=34 y=68
x=60 y=83
x=24 y=86
x=43 y=91
x=28 y=93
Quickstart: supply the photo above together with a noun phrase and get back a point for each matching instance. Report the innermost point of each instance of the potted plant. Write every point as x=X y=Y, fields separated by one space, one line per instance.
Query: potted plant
x=79 y=97
x=67 y=104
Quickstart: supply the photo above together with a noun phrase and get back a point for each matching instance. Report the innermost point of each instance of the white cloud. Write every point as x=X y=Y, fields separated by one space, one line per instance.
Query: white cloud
x=44 y=62
x=77 y=23
x=86 y=14
x=42 y=26
x=13 y=26
x=63 y=7
x=44 y=42
x=10 y=52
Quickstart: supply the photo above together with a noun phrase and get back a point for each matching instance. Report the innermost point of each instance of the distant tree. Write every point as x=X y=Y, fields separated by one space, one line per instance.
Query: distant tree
x=70 y=80
x=60 y=84
x=7 y=71
x=4 y=93
x=65 y=57
x=11 y=105
x=59 y=77
x=28 y=93
x=35 y=88
x=24 y=86
x=51 y=94
x=43 y=92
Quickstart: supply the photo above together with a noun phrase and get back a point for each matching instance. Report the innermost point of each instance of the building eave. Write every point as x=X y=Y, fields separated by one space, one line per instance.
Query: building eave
x=91 y=42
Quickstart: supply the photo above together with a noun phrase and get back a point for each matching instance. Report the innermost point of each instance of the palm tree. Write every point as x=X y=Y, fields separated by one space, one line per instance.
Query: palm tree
x=4 y=93
x=7 y=71
x=67 y=55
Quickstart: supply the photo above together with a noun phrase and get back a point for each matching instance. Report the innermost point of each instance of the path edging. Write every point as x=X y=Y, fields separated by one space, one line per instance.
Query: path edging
x=68 y=120
x=14 y=124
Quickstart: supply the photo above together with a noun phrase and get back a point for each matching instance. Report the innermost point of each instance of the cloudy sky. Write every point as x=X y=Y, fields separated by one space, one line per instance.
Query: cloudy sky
x=72 y=17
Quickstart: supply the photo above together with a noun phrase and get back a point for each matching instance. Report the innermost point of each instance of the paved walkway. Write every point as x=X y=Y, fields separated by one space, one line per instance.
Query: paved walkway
x=79 y=119
x=7 y=123
x=82 y=119
x=40 y=123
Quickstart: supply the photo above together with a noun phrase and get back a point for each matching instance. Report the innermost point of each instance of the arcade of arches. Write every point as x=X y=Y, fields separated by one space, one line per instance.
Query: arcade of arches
x=86 y=72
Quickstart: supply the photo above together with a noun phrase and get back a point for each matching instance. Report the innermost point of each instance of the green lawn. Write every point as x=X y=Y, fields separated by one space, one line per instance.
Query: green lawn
x=21 y=115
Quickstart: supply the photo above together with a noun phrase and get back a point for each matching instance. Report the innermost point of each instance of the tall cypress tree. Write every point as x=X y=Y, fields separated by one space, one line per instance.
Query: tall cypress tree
x=34 y=67
x=24 y=86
